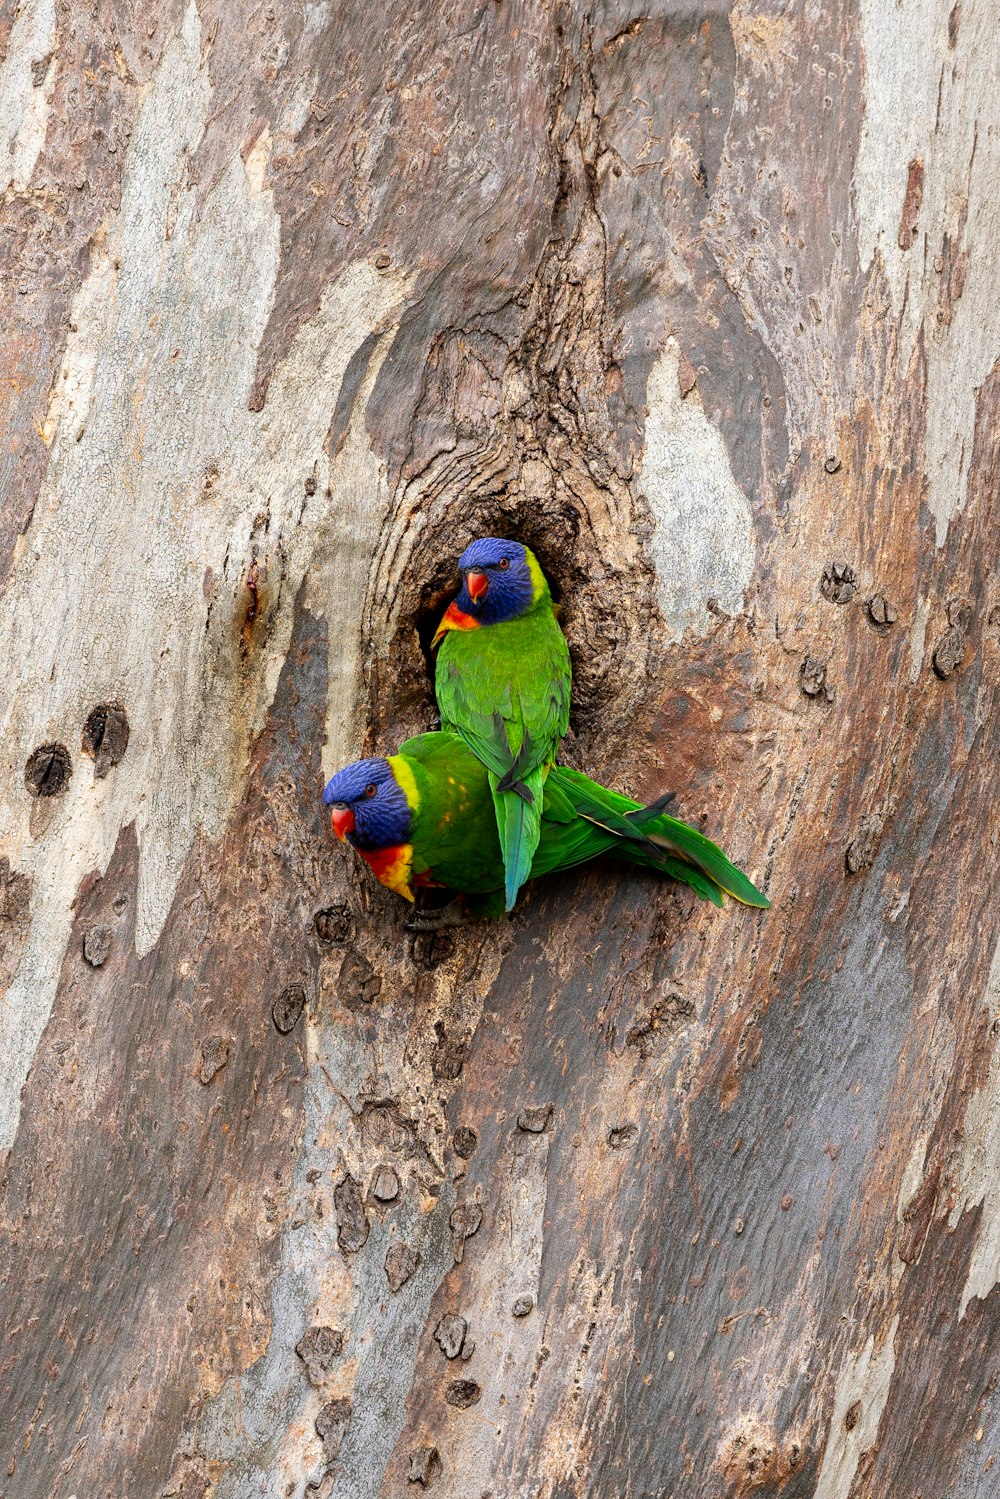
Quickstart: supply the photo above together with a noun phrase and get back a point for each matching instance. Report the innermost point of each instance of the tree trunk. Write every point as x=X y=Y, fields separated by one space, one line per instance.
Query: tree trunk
x=625 y=1196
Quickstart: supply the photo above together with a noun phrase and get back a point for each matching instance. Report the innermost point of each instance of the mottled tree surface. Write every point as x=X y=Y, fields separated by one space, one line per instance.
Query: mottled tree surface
x=624 y=1197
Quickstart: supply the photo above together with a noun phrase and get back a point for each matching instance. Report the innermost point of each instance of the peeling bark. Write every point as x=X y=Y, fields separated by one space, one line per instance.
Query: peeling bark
x=622 y=1197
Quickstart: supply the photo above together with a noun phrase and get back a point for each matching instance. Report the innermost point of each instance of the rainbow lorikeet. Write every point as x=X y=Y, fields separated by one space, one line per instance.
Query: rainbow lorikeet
x=424 y=817
x=503 y=685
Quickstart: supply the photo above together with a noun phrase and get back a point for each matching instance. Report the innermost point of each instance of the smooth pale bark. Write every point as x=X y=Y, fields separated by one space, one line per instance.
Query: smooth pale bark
x=626 y=1196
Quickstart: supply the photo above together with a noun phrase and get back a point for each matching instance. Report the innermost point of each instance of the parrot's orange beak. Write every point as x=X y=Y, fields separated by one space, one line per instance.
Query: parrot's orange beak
x=477 y=583
x=343 y=821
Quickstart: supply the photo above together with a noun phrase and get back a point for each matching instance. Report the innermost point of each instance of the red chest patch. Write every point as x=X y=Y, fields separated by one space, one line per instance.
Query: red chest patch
x=391 y=866
x=454 y=619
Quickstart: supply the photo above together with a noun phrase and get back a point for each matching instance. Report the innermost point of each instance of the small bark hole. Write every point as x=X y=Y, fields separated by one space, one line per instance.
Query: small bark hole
x=105 y=737
x=48 y=770
x=288 y=1007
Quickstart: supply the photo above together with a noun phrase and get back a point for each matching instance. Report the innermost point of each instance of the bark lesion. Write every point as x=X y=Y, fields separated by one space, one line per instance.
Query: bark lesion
x=15 y=920
x=518 y=430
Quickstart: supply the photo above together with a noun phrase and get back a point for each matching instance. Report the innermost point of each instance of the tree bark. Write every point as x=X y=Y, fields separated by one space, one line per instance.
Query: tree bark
x=624 y=1196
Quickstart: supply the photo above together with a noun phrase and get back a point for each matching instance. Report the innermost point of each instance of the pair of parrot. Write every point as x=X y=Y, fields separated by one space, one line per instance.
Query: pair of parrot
x=481 y=806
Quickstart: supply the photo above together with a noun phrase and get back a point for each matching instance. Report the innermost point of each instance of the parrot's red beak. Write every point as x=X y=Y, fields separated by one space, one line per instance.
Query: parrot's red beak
x=343 y=821
x=477 y=583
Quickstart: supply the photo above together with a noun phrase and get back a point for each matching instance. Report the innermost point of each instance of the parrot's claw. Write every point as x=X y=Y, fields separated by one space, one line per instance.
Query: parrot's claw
x=453 y=914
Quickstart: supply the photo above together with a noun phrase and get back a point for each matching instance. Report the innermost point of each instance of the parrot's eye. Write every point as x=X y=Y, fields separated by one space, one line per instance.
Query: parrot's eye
x=371 y=789
x=503 y=564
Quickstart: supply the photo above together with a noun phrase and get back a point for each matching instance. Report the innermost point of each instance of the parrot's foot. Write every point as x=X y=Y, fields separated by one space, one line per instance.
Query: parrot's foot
x=455 y=913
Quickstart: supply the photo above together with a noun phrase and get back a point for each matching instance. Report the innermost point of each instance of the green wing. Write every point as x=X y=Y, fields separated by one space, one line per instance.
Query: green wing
x=688 y=843
x=453 y=831
x=505 y=690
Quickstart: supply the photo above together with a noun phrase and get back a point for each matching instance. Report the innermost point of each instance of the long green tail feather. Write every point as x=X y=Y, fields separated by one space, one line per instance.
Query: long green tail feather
x=664 y=842
x=590 y=804
x=686 y=874
x=583 y=838
x=519 y=822
x=682 y=839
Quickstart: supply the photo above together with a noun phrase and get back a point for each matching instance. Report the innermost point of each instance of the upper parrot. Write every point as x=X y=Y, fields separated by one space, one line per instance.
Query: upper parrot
x=503 y=684
x=425 y=817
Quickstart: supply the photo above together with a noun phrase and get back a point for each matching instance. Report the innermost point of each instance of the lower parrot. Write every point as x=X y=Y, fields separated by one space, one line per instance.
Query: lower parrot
x=425 y=817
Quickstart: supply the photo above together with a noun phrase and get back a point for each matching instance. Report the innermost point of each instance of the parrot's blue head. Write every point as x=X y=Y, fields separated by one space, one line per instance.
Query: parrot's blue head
x=501 y=580
x=368 y=806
